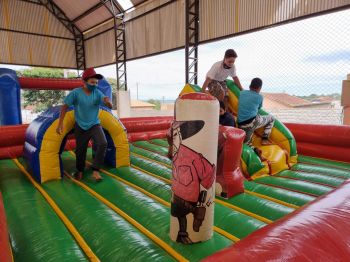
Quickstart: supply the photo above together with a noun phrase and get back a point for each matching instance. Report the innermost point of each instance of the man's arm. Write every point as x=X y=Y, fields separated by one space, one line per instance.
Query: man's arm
x=205 y=85
x=107 y=102
x=261 y=103
x=63 y=112
x=237 y=82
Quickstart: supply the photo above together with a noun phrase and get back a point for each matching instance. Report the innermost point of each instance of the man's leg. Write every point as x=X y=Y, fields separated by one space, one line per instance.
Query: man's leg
x=249 y=131
x=267 y=122
x=82 y=138
x=100 y=145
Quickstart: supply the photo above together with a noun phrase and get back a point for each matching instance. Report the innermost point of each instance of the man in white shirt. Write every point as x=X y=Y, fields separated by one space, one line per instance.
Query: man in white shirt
x=217 y=75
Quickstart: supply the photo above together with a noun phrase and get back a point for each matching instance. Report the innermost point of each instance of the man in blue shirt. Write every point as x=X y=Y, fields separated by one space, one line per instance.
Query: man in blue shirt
x=86 y=101
x=250 y=101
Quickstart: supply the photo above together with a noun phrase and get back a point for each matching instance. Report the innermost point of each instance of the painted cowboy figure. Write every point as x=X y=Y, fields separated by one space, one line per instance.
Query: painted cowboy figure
x=190 y=171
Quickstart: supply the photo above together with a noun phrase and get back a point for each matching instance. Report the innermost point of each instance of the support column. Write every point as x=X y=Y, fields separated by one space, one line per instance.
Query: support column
x=120 y=51
x=345 y=100
x=192 y=39
x=120 y=48
x=123 y=103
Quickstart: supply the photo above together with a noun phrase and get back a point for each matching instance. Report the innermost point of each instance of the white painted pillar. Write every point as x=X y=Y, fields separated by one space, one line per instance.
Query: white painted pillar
x=123 y=104
x=345 y=100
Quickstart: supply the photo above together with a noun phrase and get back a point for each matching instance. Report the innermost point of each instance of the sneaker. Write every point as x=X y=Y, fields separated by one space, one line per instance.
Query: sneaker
x=265 y=142
x=96 y=176
x=78 y=175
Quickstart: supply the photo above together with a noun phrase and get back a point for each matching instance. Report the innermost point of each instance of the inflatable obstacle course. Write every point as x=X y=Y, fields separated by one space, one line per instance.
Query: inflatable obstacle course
x=127 y=215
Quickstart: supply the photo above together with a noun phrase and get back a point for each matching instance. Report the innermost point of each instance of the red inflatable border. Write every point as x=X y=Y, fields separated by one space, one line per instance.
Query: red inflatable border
x=323 y=141
x=319 y=231
x=49 y=83
x=329 y=142
x=145 y=128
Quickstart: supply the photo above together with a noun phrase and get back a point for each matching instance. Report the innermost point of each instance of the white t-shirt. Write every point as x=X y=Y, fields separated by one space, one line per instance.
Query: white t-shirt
x=219 y=73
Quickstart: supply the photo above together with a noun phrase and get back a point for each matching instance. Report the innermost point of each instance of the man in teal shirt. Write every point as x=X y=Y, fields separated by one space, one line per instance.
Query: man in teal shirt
x=86 y=101
x=250 y=101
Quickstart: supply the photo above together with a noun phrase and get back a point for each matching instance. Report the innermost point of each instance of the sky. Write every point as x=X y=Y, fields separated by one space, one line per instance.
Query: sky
x=301 y=58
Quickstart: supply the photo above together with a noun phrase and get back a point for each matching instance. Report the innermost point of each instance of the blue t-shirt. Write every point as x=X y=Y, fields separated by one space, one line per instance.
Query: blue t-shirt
x=249 y=104
x=86 y=107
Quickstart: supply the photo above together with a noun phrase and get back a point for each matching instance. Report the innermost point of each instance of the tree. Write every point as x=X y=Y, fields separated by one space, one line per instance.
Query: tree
x=113 y=83
x=43 y=99
x=155 y=102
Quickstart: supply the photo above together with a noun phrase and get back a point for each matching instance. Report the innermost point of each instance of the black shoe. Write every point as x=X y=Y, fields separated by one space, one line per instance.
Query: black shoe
x=78 y=175
x=182 y=237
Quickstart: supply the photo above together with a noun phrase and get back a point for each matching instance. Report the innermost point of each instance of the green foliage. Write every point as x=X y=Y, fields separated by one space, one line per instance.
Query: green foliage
x=44 y=99
x=113 y=83
x=155 y=102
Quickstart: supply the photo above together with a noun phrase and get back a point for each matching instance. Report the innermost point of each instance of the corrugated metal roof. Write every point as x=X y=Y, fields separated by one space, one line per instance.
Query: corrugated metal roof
x=74 y=8
x=30 y=34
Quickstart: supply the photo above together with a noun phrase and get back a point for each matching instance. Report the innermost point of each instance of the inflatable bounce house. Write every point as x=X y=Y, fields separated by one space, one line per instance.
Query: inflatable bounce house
x=207 y=197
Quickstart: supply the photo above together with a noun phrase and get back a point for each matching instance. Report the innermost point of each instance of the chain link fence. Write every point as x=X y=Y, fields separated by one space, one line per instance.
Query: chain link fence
x=302 y=65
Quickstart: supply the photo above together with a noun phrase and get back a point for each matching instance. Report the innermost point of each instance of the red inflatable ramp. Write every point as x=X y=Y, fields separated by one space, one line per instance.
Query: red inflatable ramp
x=319 y=231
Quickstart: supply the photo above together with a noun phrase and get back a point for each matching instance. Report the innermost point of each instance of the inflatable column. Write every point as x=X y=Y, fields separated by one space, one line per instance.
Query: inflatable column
x=194 y=154
x=229 y=178
x=10 y=98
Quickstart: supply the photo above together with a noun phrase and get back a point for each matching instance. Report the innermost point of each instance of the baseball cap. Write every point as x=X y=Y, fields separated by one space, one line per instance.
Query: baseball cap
x=91 y=73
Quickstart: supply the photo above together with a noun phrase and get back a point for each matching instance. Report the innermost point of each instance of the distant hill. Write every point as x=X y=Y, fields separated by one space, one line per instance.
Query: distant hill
x=322 y=97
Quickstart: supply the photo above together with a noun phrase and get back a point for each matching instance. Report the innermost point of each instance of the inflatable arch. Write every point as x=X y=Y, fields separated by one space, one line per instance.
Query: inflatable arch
x=43 y=146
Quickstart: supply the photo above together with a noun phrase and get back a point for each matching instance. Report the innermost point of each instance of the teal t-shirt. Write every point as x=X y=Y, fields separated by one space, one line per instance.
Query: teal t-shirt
x=249 y=104
x=86 y=107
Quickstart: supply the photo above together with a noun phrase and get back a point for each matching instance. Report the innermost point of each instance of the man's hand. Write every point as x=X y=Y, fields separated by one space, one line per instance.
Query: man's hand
x=107 y=102
x=59 y=129
x=238 y=83
x=205 y=84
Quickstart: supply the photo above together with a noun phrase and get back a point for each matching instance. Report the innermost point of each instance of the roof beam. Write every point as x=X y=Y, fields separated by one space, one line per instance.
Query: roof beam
x=115 y=7
x=87 y=12
x=78 y=36
x=37 y=2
